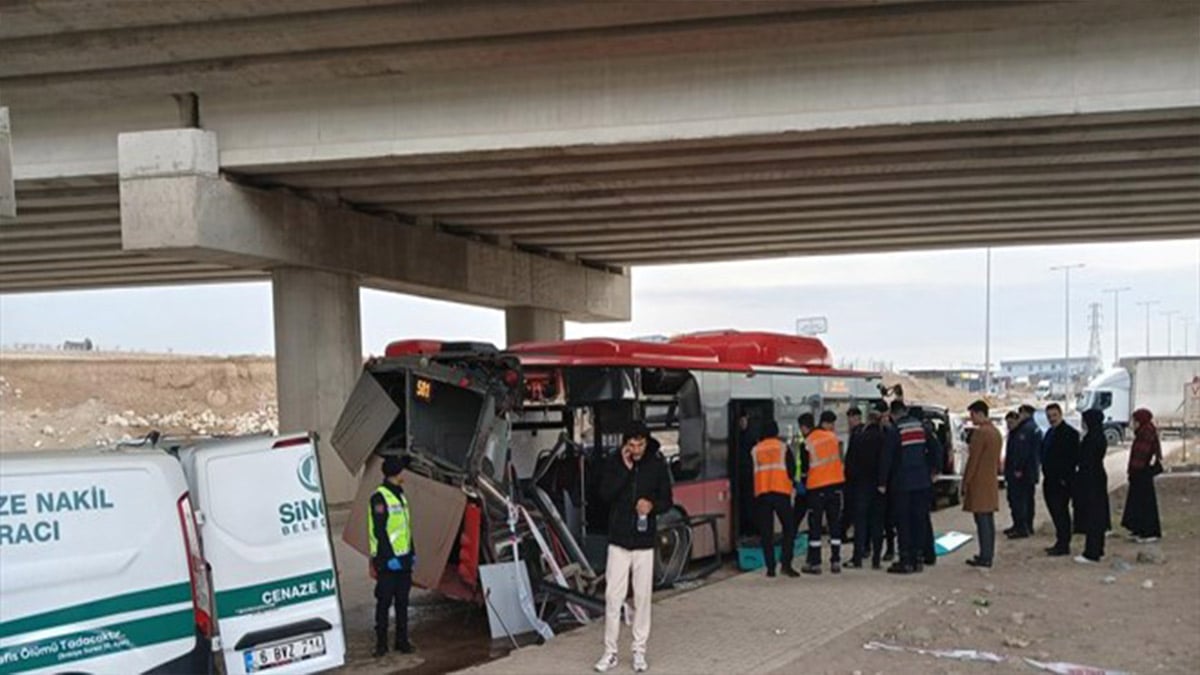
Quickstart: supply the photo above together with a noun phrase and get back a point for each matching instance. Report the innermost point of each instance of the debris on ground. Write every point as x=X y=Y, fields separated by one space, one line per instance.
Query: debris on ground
x=1120 y=565
x=1072 y=668
x=955 y=654
x=1148 y=584
x=1016 y=642
x=1152 y=555
x=1110 y=579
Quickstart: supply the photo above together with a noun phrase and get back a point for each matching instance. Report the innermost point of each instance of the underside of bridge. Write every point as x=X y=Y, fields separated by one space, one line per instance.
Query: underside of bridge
x=525 y=155
x=615 y=134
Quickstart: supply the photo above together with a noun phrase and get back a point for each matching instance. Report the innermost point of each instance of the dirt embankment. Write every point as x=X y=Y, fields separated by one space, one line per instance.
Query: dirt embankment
x=923 y=391
x=53 y=401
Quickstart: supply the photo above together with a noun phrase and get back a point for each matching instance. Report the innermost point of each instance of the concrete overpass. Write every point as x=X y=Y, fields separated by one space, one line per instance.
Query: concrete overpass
x=523 y=155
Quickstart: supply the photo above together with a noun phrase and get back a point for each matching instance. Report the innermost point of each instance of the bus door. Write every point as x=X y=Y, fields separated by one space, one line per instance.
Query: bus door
x=738 y=501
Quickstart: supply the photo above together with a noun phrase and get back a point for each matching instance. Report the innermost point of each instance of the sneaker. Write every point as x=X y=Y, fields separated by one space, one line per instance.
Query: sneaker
x=854 y=564
x=976 y=562
x=835 y=568
x=789 y=571
x=1148 y=540
x=1084 y=560
x=811 y=569
x=1019 y=534
x=1057 y=552
x=606 y=663
x=405 y=647
x=639 y=663
x=900 y=568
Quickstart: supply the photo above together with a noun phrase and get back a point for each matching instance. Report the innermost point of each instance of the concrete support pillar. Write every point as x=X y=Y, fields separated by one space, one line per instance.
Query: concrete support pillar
x=8 y=192
x=532 y=324
x=318 y=358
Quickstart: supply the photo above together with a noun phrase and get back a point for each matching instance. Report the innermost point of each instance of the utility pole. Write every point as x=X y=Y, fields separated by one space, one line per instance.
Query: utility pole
x=1187 y=328
x=1094 y=350
x=1169 y=315
x=987 y=331
x=1148 y=304
x=1066 y=270
x=1116 y=293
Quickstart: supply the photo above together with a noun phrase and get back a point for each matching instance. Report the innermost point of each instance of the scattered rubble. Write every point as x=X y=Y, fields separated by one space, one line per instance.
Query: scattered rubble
x=1152 y=555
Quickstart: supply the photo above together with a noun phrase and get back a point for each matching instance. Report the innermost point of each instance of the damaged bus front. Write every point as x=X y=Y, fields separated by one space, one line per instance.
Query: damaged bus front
x=451 y=407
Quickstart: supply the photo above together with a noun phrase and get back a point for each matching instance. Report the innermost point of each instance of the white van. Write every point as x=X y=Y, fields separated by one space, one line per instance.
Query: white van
x=136 y=560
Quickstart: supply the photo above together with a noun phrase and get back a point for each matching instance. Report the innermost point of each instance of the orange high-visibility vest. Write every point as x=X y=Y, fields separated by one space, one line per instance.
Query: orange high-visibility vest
x=770 y=467
x=824 y=459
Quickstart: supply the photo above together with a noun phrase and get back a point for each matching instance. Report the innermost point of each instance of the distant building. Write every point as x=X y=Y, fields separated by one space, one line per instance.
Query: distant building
x=962 y=378
x=1050 y=369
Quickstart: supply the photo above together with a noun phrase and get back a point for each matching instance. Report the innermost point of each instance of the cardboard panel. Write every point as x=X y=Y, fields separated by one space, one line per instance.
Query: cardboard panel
x=437 y=511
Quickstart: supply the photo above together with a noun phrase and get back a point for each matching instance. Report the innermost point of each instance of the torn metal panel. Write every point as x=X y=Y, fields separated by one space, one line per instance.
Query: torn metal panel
x=369 y=413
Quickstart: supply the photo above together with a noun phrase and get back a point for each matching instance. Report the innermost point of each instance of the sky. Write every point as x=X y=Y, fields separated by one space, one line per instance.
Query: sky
x=915 y=310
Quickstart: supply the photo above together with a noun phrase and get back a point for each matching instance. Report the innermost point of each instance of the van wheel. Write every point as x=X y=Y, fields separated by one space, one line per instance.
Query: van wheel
x=1114 y=436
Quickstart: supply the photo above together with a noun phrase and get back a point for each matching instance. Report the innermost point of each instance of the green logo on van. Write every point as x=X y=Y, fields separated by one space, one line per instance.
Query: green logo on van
x=307 y=473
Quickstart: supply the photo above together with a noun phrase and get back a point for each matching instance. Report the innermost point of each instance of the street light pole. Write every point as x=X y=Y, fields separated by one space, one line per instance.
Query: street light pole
x=1066 y=270
x=987 y=331
x=1170 y=314
x=1116 y=293
x=1187 y=329
x=1147 y=304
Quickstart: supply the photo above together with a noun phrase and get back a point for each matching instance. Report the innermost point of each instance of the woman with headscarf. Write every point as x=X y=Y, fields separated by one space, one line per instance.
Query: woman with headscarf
x=1091 y=487
x=1145 y=462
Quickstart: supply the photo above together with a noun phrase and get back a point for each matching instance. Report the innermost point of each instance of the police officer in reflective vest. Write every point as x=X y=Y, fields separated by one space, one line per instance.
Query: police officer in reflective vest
x=826 y=479
x=392 y=557
x=774 y=466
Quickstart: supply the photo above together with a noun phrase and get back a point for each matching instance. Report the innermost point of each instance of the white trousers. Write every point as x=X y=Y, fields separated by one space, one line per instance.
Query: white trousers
x=623 y=563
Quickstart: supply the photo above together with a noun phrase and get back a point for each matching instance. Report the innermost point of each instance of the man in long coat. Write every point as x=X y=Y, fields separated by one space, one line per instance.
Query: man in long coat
x=981 y=490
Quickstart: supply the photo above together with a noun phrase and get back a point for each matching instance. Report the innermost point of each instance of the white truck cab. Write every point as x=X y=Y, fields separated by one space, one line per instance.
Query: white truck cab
x=134 y=560
x=1109 y=393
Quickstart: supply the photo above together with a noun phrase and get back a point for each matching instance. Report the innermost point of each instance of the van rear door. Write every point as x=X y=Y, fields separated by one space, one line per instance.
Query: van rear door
x=265 y=537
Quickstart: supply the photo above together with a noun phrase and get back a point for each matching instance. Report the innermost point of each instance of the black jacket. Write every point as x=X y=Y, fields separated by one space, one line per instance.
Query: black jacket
x=911 y=456
x=379 y=517
x=1062 y=454
x=621 y=488
x=1021 y=452
x=1090 y=490
x=863 y=456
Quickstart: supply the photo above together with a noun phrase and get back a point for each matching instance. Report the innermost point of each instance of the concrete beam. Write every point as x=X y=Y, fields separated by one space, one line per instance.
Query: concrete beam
x=531 y=324
x=8 y=189
x=174 y=203
x=318 y=358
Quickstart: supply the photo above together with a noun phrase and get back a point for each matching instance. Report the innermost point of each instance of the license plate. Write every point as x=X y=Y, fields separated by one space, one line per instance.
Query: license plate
x=285 y=653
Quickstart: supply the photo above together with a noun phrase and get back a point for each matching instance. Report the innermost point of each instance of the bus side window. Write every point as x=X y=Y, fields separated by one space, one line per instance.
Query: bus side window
x=690 y=463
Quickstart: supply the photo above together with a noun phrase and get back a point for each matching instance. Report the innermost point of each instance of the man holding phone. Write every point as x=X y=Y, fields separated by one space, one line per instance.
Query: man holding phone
x=636 y=485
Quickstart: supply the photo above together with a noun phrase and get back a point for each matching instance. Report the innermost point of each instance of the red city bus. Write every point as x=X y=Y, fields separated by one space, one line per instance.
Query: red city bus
x=527 y=430
x=690 y=390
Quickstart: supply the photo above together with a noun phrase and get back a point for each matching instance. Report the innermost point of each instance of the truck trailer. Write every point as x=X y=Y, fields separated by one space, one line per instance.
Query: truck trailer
x=1161 y=384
